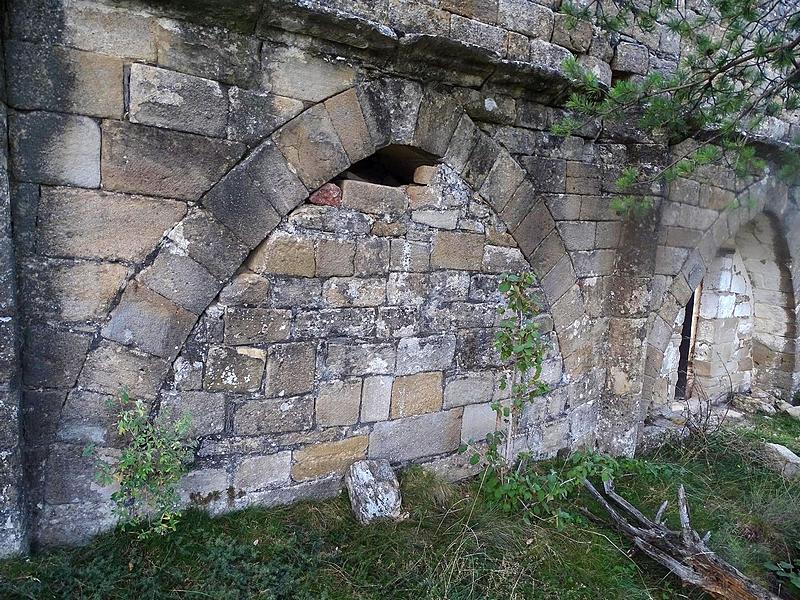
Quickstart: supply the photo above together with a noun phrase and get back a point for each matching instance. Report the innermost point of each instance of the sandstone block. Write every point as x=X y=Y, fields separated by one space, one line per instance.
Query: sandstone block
x=149 y=322
x=415 y=437
x=478 y=420
x=423 y=354
x=43 y=77
x=485 y=11
x=254 y=115
x=254 y=195
x=176 y=101
x=398 y=321
x=210 y=243
x=180 y=279
x=373 y=198
x=462 y=143
x=337 y=322
x=290 y=368
x=54 y=148
x=407 y=289
x=502 y=181
x=294 y=73
x=374 y=491
x=348 y=359
x=338 y=402
x=260 y=472
x=348 y=119
x=782 y=460
x=245 y=289
x=283 y=254
x=526 y=17
x=480 y=161
x=72 y=291
x=354 y=291
x=51 y=358
x=331 y=458
x=288 y=292
x=376 y=396
x=335 y=257
x=70 y=475
x=440 y=219
x=372 y=256
x=274 y=415
x=212 y=52
x=234 y=369
x=409 y=255
x=534 y=228
x=414 y=17
x=311 y=145
x=111 y=367
x=253 y=326
x=416 y=394
x=468 y=389
x=499 y=259
x=437 y=120
x=206 y=411
x=149 y=160
x=456 y=250
x=95 y=224
x=448 y=286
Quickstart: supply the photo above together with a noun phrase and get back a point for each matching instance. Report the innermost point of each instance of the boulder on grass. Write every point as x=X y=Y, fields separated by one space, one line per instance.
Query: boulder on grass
x=782 y=460
x=374 y=490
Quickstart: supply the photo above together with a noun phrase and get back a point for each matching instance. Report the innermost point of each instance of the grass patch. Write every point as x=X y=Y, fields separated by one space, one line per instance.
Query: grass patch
x=778 y=429
x=453 y=545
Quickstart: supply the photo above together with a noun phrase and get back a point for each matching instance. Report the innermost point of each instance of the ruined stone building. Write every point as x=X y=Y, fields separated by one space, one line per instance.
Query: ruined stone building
x=289 y=217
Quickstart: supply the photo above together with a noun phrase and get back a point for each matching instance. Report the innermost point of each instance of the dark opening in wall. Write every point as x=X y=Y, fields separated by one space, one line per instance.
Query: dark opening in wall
x=393 y=165
x=685 y=352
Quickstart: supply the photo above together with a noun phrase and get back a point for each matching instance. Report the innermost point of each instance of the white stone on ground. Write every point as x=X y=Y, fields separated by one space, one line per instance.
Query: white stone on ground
x=374 y=490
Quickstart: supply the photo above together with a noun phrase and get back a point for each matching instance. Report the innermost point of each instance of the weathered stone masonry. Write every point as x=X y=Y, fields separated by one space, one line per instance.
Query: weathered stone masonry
x=168 y=236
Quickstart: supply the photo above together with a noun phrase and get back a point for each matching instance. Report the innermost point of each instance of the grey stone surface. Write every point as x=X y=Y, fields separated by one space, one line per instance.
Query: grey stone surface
x=290 y=369
x=234 y=369
x=374 y=491
x=148 y=160
x=209 y=243
x=53 y=78
x=294 y=73
x=179 y=278
x=111 y=367
x=53 y=358
x=254 y=114
x=95 y=224
x=415 y=437
x=260 y=472
x=55 y=149
x=424 y=354
x=274 y=415
x=177 y=101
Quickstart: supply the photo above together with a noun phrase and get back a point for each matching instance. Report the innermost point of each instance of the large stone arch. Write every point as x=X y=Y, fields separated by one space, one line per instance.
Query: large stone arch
x=764 y=196
x=161 y=302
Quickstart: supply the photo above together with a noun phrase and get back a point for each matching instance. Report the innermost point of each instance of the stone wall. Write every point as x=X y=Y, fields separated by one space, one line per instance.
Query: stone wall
x=164 y=167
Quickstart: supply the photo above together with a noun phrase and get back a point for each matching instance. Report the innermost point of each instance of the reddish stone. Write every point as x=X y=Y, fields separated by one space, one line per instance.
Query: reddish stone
x=329 y=194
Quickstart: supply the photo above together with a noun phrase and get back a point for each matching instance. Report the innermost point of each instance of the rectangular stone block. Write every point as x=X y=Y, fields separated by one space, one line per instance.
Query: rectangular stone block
x=409 y=255
x=337 y=322
x=274 y=415
x=111 y=367
x=373 y=198
x=415 y=437
x=335 y=257
x=101 y=225
x=376 y=396
x=294 y=73
x=253 y=115
x=176 y=101
x=43 y=77
x=472 y=388
x=415 y=355
x=149 y=160
x=526 y=17
x=347 y=359
x=290 y=368
x=478 y=421
x=54 y=149
x=283 y=254
x=311 y=145
x=332 y=458
x=502 y=181
x=205 y=410
x=210 y=243
x=234 y=369
x=416 y=394
x=338 y=402
x=457 y=250
x=348 y=119
x=479 y=34
x=181 y=280
x=372 y=256
x=149 y=322
x=212 y=52
x=51 y=358
x=354 y=291
x=263 y=472
x=253 y=326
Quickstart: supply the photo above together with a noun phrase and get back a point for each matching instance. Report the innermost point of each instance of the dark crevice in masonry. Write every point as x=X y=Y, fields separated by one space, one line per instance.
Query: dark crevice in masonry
x=393 y=166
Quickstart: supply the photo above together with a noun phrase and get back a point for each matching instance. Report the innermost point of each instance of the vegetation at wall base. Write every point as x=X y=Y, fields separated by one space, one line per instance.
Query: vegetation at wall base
x=456 y=543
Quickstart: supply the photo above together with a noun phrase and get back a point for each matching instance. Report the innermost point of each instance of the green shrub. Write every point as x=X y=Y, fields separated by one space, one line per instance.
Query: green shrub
x=155 y=456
